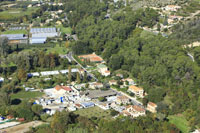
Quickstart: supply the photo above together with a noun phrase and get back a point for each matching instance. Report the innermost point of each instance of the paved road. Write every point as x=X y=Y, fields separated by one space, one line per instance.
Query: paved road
x=70 y=57
x=190 y=55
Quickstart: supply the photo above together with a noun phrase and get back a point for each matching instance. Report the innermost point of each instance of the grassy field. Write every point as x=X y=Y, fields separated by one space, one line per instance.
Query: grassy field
x=94 y=112
x=57 y=49
x=180 y=122
x=15 y=13
x=11 y=64
x=15 y=32
x=66 y=30
x=26 y=95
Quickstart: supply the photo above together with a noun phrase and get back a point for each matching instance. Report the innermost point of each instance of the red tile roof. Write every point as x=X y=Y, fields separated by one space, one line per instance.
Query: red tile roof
x=152 y=104
x=66 y=88
x=58 y=87
x=135 y=88
x=136 y=108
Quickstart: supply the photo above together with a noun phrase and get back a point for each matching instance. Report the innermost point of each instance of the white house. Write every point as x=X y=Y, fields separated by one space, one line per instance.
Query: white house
x=136 y=90
x=61 y=90
x=172 y=8
x=103 y=69
x=112 y=82
x=122 y=100
x=96 y=85
x=129 y=80
x=133 y=111
x=152 y=107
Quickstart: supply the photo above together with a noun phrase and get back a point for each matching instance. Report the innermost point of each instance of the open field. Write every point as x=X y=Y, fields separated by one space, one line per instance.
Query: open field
x=66 y=30
x=15 y=32
x=180 y=122
x=57 y=49
x=15 y=13
x=94 y=112
x=26 y=95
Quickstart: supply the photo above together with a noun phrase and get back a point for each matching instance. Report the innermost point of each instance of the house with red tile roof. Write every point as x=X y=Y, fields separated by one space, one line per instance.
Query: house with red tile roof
x=112 y=82
x=133 y=111
x=61 y=90
x=136 y=90
x=95 y=85
x=122 y=100
x=152 y=107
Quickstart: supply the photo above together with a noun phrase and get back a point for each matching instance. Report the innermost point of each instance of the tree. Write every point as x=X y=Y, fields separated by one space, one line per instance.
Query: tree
x=78 y=78
x=113 y=112
x=85 y=77
x=67 y=44
x=4 y=47
x=60 y=121
x=37 y=109
x=21 y=74
x=145 y=101
x=4 y=99
x=102 y=99
x=24 y=113
x=158 y=27
x=69 y=74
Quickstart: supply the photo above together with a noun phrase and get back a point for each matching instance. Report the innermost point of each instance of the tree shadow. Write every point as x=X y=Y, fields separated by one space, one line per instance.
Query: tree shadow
x=16 y=101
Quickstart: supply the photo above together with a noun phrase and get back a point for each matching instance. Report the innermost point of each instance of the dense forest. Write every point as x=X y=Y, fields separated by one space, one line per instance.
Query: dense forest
x=159 y=64
x=71 y=123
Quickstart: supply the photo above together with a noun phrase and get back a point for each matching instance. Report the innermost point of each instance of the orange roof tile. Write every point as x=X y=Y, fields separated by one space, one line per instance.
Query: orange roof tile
x=58 y=87
x=138 y=108
x=152 y=104
x=135 y=88
x=66 y=88
x=122 y=97
x=107 y=71
x=112 y=81
x=126 y=112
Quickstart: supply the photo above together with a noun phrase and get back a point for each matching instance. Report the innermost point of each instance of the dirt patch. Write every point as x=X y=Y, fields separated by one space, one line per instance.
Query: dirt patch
x=22 y=128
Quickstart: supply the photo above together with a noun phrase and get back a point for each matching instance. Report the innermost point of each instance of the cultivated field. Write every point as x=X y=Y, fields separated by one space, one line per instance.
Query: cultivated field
x=94 y=112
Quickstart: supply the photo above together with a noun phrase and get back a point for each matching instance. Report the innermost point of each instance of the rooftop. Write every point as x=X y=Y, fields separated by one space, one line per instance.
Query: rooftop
x=152 y=104
x=122 y=97
x=66 y=88
x=136 y=108
x=135 y=88
x=99 y=93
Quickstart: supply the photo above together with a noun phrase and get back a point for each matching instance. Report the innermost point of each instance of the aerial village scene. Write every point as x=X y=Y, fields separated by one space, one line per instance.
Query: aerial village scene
x=79 y=83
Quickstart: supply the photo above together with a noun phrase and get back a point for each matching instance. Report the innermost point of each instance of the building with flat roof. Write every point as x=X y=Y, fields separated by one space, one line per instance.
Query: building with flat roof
x=88 y=104
x=16 y=38
x=93 y=94
x=38 y=40
x=40 y=35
